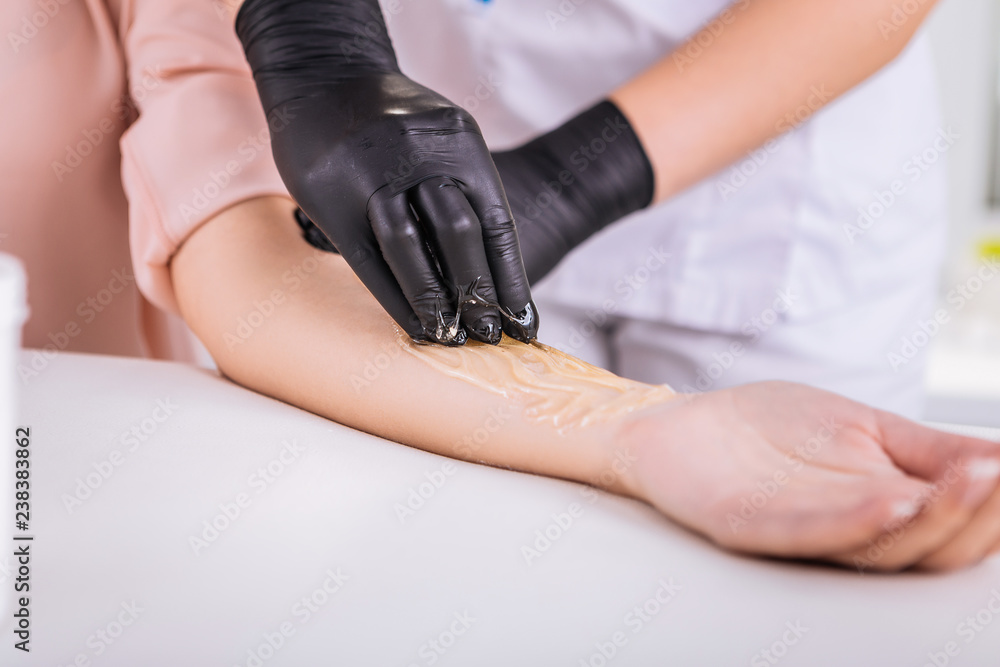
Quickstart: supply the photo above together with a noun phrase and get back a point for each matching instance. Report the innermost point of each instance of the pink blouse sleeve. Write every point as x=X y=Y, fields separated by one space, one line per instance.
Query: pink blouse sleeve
x=200 y=142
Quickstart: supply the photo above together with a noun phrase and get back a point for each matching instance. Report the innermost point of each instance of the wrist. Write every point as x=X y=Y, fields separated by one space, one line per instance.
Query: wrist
x=617 y=454
x=568 y=184
x=313 y=40
x=638 y=449
x=603 y=154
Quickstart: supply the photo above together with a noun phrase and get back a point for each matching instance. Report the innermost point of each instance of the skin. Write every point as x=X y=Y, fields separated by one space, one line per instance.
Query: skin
x=865 y=491
x=761 y=61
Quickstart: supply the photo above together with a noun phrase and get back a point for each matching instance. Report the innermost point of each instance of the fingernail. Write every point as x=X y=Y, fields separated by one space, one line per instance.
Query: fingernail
x=523 y=325
x=983 y=469
x=450 y=338
x=447 y=330
x=457 y=340
x=487 y=329
x=982 y=475
x=905 y=510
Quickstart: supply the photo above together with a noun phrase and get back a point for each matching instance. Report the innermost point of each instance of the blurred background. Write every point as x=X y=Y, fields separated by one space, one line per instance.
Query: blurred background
x=964 y=373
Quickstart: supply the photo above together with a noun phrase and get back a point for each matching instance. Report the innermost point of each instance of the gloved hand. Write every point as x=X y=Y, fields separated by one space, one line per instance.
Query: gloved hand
x=399 y=178
x=572 y=182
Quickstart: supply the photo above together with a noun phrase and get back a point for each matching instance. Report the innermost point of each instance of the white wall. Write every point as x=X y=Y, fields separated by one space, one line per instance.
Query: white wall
x=965 y=38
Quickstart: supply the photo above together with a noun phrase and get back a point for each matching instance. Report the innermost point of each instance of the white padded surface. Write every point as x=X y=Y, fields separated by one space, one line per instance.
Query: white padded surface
x=332 y=507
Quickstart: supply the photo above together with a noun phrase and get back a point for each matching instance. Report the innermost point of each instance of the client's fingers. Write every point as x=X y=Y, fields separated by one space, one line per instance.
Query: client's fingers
x=819 y=517
x=962 y=473
x=926 y=452
x=975 y=541
x=944 y=512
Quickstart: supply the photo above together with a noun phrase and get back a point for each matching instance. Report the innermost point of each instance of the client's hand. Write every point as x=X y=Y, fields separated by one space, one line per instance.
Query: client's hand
x=787 y=470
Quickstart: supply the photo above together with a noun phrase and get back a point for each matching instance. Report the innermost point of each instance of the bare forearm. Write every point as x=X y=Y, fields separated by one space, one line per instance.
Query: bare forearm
x=286 y=320
x=741 y=80
x=289 y=321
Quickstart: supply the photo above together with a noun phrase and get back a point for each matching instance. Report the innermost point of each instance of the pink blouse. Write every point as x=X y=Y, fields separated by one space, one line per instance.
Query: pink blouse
x=126 y=124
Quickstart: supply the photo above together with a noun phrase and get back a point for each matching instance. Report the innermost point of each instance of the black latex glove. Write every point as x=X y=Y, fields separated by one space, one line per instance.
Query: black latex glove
x=572 y=182
x=396 y=176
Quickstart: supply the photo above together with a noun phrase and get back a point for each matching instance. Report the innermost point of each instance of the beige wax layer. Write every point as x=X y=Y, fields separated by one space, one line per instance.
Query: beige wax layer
x=550 y=385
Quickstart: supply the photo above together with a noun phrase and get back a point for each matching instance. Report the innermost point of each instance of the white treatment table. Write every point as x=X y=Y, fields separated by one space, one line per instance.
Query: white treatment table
x=320 y=567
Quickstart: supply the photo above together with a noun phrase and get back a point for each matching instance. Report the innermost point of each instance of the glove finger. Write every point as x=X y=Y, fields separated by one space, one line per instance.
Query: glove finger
x=457 y=241
x=542 y=245
x=406 y=252
x=503 y=253
x=313 y=235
